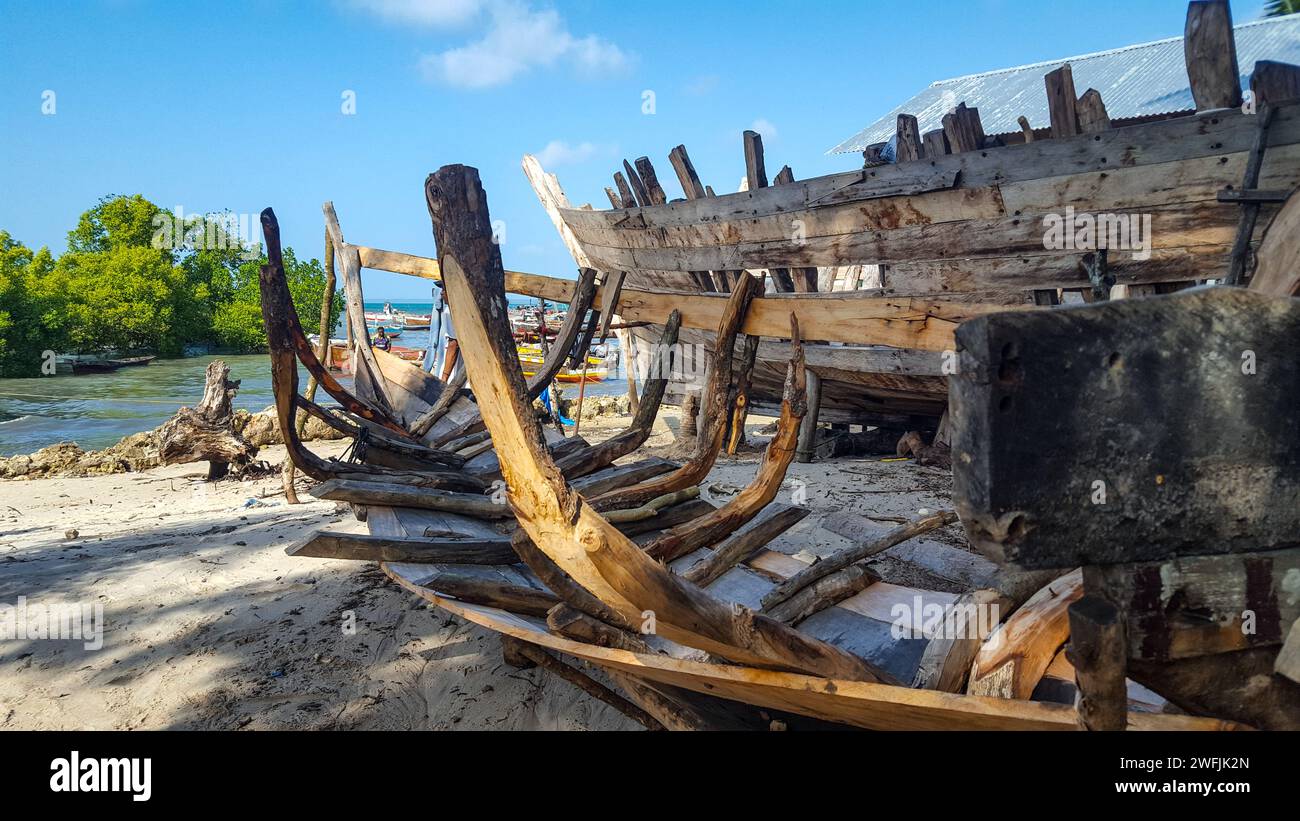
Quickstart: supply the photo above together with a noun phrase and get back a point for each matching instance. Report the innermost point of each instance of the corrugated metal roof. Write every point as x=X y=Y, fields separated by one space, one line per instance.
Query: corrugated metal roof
x=1148 y=78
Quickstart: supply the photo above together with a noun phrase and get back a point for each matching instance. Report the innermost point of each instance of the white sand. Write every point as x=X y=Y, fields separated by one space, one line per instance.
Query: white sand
x=207 y=624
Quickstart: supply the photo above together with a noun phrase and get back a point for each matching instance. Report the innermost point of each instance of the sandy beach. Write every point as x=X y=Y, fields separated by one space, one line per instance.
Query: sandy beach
x=209 y=625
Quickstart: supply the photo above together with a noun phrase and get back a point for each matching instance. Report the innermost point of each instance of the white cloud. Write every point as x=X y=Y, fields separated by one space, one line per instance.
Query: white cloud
x=519 y=39
x=558 y=152
x=421 y=12
x=764 y=127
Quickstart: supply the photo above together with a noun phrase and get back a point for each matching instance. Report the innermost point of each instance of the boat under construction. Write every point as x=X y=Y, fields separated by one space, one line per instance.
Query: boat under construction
x=1091 y=321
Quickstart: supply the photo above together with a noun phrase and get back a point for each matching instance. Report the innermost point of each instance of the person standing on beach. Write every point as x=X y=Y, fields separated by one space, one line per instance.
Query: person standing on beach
x=382 y=342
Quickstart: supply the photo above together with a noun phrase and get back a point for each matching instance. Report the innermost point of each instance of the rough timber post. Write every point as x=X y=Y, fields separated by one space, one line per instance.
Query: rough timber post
x=807 y=448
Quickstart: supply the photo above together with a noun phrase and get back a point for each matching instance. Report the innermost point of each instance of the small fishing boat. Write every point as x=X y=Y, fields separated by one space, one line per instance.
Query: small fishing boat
x=132 y=361
x=95 y=366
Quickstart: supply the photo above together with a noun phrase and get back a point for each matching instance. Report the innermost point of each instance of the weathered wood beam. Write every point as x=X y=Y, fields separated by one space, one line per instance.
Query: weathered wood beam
x=1092 y=112
x=770 y=523
x=918 y=323
x=963 y=130
x=908 y=147
x=935 y=143
x=856 y=553
x=823 y=593
x=1273 y=83
x=1211 y=55
x=1097 y=650
x=650 y=180
x=366 y=376
x=806 y=449
x=393 y=495
x=638 y=187
x=325 y=544
x=686 y=175
x=1062 y=104
x=1277 y=269
x=513 y=598
x=621 y=476
x=625 y=195
x=805 y=278
x=583 y=545
x=1170 y=489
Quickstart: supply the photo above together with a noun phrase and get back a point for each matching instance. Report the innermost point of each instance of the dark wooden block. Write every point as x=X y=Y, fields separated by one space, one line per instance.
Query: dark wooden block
x=1183 y=410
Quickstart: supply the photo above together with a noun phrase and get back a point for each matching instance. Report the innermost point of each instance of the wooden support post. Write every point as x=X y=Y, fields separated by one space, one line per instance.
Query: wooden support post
x=690 y=414
x=650 y=180
x=1273 y=83
x=690 y=181
x=1026 y=128
x=638 y=187
x=1211 y=54
x=804 y=278
x=1092 y=113
x=908 y=140
x=1062 y=102
x=935 y=143
x=963 y=129
x=1098 y=651
x=807 y=447
x=626 y=198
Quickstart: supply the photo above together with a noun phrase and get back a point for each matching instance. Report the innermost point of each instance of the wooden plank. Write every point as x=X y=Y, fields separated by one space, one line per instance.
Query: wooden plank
x=326 y=544
x=857 y=357
x=622 y=476
x=1202 y=605
x=1273 y=83
x=626 y=197
x=1211 y=55
x=755 y=172
x=908 y=140
x=1151 y=482
x=1277 y=269
x=1062 y=102
x=395 y=495
x=1288 y=658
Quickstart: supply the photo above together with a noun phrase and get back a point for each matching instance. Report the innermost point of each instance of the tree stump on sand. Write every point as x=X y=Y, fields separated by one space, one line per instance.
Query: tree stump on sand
x=206 y=432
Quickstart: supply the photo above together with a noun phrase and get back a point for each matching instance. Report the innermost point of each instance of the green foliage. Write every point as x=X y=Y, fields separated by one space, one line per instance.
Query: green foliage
x=238 y=322
x=1277 y=8
x=136 y=278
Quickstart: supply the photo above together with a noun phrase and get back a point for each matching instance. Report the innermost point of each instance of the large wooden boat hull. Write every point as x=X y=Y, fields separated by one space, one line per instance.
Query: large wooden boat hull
x=975 y=226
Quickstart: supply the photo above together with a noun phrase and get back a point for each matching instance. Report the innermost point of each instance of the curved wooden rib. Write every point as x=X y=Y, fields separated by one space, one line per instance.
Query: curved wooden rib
x=855 y=703
x=282 y=326
x=715 y=411
x=598 y=456
x=585 y=546
x=1013 y=659
x=716 y=526
x=1278 y=270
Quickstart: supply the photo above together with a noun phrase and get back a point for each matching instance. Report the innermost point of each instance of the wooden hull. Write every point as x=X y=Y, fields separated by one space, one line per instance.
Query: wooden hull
x=854 y=703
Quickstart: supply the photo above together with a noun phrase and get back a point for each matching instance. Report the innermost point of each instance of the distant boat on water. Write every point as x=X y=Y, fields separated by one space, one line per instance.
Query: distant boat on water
x=109 y=365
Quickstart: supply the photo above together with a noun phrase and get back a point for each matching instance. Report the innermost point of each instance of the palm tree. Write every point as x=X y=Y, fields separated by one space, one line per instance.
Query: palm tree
x=1277 y=8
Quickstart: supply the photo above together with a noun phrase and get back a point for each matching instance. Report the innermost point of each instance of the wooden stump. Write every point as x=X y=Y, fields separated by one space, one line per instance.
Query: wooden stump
x=206 y=432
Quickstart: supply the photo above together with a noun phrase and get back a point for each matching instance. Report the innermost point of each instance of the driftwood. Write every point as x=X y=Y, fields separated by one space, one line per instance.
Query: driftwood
x=325 y=544
x=741 y=545
x=694 y=470
x=206 y=432
x=562 y=525
x=856 y=553
x=746 y=504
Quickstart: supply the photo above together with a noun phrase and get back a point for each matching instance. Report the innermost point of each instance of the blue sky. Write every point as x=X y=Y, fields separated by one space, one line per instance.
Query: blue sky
x=238 y=105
